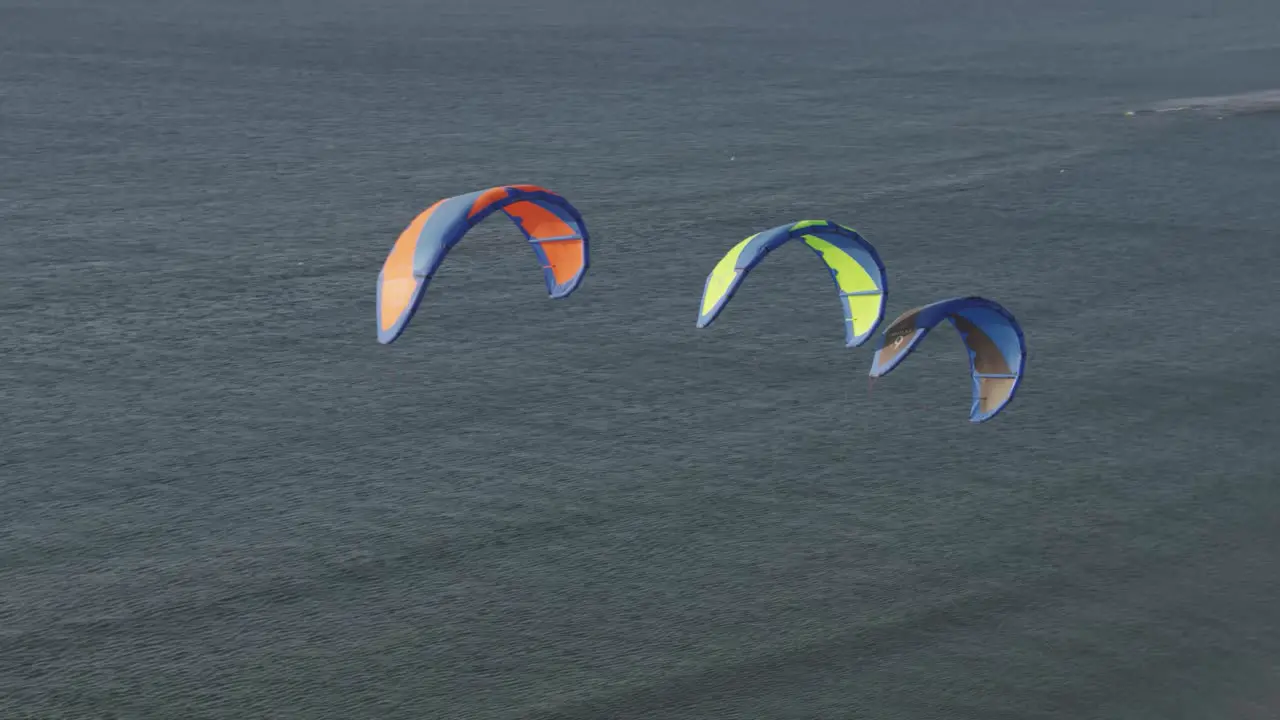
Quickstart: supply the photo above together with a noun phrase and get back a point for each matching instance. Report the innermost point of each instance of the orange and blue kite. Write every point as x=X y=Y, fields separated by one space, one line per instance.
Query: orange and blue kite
x=997 y=348
x=552 y=226
x=854 y=264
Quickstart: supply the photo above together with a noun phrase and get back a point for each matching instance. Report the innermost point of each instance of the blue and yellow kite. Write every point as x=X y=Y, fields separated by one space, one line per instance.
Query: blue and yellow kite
x=854 y=264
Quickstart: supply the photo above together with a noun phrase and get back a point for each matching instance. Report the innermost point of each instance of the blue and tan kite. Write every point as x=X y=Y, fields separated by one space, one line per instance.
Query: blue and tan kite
x=553 y=227
x=997 y=348
x=854 y=264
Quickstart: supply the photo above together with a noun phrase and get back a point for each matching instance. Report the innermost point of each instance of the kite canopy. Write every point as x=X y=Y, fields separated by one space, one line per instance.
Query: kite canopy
x=553 y=227
x=853 y=262
x=997 y=349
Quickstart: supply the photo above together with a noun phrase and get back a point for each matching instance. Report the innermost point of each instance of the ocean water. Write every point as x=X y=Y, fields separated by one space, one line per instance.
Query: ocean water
x=220 y=497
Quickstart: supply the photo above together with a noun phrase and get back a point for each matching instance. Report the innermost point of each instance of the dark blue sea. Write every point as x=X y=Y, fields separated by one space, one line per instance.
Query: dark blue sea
x=220 y=497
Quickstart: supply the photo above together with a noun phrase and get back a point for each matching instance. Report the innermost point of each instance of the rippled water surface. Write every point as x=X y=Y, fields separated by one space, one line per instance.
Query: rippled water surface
x=222 y=498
